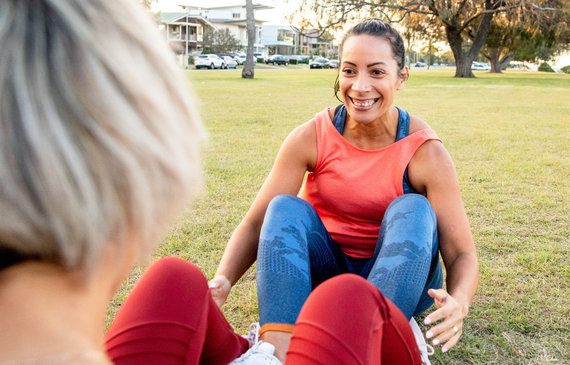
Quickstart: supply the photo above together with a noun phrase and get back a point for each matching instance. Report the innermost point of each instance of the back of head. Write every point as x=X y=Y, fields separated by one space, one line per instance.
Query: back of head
x=99 y=138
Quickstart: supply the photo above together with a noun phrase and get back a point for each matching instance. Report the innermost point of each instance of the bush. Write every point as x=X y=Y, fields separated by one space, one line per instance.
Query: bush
x=208 y=50
x=260 y=60
x=566 y=69
x=545 y=67
x=190 y=60
x=293 y=61
x=303 y=61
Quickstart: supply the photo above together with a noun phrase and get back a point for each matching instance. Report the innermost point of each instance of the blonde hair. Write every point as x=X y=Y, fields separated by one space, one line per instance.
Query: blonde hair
x=98 y=133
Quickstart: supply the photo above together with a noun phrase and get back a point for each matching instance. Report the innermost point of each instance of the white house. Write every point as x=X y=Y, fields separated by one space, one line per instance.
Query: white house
x=229 y=14
x=279 y=39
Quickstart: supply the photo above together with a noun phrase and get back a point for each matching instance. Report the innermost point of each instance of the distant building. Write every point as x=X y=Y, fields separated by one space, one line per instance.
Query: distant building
x=309 y=42
x=190 y=30
x=279 y=39
x=185 y=33
x=231 y=15
x=285 y=40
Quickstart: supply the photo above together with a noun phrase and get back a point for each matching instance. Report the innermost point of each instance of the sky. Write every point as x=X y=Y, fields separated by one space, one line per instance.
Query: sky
x=274 y=16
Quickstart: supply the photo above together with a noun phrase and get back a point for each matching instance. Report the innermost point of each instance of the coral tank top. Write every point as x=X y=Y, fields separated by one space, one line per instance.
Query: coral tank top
x=351 y=188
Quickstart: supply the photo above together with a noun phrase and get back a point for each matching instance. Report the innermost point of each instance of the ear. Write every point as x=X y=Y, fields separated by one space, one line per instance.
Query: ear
x=404 y=74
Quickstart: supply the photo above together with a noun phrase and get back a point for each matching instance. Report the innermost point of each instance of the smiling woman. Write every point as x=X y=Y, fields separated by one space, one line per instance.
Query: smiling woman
x=381 y=200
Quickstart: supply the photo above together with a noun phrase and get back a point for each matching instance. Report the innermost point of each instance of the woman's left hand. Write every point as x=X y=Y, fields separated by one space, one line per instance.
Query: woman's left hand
x=447 y=332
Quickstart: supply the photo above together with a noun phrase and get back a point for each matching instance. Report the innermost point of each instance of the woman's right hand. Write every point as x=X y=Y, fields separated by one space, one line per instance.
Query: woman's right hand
x=220 y=289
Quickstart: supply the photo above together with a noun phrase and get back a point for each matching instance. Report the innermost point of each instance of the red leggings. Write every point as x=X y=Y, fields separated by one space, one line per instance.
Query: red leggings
x=170 y=318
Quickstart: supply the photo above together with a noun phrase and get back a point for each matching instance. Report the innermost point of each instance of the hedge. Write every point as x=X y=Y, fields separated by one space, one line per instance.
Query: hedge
x=545 y=67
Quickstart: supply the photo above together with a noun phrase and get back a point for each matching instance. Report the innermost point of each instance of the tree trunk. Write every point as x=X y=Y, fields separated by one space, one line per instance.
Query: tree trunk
x=464 y=60
x=507 y=58
x=248 y=71
x=429 y=52
x=493 y=57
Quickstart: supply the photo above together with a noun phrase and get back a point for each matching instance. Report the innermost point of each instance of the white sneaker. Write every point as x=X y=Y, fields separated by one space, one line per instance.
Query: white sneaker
x=425 y=349
x=259 y=354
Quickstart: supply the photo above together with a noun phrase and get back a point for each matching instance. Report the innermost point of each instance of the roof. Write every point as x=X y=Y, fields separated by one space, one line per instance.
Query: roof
x=173 y=17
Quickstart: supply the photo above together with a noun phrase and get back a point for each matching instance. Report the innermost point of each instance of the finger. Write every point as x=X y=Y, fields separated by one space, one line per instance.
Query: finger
x=452 y=342
x=437 y=315
x=439 y=295
x=448 y=334
x=446 y=327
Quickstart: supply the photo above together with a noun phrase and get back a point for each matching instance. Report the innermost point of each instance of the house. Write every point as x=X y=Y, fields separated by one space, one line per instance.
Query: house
x=285 y=40
x=279 y=39
x=312 y=42
x=229 y=14
x=184 y=33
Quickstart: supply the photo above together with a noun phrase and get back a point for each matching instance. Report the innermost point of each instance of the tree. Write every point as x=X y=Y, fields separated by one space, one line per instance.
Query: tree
x=465 y=22
x=223 y=41
x=147 y=5
x=529 y=36
x=248 y=71
x=424 y=28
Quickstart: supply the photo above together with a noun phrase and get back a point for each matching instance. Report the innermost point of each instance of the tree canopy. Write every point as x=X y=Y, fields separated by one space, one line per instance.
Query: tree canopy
x=465 y=22
x=223 y=41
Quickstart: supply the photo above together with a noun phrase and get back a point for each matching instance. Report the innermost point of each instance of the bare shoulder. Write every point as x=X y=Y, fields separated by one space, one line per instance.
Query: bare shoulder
x=431 y=164
x=302 y=144
x=305 y=131
x=416 y=124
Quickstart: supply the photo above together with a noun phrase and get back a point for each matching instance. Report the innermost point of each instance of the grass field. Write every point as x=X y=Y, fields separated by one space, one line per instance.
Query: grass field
x=509 y=136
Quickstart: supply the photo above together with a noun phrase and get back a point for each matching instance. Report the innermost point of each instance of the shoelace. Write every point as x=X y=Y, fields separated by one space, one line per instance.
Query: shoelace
x=425 y=351
x=253 y=335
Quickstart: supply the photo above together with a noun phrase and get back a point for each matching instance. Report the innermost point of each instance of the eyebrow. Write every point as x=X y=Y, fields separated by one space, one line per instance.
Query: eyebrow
x=370 y=65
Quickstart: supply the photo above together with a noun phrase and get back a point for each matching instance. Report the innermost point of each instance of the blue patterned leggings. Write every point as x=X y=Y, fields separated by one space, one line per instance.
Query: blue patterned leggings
x=296 y=253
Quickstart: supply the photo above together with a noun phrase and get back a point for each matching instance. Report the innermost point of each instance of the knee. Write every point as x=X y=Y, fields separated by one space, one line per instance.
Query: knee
x=172 y=272
x=347 y=293
x=414 y=202
x=345 y=286
x=286 y=203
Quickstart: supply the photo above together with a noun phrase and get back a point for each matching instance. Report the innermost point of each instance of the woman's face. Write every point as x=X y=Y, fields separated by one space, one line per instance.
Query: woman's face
x=368 y=77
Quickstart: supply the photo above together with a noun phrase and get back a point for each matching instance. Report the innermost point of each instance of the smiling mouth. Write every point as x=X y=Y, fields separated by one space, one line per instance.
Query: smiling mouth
x=363 y=103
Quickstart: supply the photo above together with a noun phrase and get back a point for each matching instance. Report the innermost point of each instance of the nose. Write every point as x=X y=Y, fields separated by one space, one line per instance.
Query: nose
x=361 y=83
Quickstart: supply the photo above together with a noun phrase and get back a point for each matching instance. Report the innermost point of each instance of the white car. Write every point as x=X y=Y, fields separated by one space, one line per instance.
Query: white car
x=480 y=66
x=229 y=62
x=210 y=61
x=241 y=59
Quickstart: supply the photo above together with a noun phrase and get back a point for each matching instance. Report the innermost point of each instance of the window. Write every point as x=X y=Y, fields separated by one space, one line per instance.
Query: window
x=236 y=15
x=285 y=36
x=200 y=34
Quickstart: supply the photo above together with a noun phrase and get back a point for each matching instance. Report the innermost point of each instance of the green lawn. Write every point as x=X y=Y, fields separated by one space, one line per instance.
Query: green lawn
x=509 y=136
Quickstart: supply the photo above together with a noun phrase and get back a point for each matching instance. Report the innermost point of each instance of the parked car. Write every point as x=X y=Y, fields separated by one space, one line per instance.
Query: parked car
x=319 y=63
x=333 y=63
x=229 y=62
x=259 y=55
x=242 y=57
x=480 y=66
x=210 y=61
x=278 y=60
x=420 y=64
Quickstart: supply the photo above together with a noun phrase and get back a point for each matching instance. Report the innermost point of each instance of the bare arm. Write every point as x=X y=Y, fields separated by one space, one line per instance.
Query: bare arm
x=432 y=172
x=298 y=154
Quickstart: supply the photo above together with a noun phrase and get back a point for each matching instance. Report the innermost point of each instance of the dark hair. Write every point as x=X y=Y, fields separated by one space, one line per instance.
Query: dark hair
x=377 y=28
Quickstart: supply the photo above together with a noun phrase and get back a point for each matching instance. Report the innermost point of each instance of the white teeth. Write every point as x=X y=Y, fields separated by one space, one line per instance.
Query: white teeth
x=368 y=103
